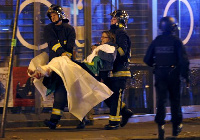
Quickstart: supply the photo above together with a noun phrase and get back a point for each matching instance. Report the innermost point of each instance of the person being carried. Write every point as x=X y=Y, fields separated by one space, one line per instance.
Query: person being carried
x=74 y=76
x=105 y=52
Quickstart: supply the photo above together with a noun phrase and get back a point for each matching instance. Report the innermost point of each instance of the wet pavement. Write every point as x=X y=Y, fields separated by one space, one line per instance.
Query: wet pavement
x=133 y=130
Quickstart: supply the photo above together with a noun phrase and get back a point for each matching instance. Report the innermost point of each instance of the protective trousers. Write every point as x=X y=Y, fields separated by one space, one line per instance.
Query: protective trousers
x=117 y=85
x=60 y=101
x=167 y=81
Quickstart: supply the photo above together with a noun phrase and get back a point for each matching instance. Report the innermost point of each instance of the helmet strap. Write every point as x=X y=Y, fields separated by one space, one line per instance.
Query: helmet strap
x=114 y=26
x=56 y=21
x=121 y=25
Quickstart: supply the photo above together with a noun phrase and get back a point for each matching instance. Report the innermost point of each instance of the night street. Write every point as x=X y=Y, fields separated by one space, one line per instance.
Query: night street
x=141 y=130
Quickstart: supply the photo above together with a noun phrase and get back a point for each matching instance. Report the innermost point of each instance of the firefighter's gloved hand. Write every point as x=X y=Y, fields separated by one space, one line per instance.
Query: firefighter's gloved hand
x=67 y=54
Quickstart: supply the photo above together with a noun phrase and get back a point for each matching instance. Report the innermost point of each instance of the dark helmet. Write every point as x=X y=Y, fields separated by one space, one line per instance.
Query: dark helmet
x=56 y=9
x=122 y=17
x=167 y=24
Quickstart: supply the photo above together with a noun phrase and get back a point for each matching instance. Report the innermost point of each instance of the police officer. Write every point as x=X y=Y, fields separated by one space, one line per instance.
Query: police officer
x=60 y=37
x=120 y=72
x=168 y=56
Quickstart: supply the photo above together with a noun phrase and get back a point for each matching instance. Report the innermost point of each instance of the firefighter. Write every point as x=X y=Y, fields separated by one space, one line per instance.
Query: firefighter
x=60 y=37
x=168 y=57
x=120 y=72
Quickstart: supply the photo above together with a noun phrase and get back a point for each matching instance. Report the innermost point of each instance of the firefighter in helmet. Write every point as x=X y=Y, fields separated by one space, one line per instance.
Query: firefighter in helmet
x=59 y=11
x=168 y=57
x=120 y=72
x=119 y=18
x=60 y=37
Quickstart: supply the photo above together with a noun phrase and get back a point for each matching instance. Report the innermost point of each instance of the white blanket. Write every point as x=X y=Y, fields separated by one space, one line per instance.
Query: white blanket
x=105 y=47
x=83 y=90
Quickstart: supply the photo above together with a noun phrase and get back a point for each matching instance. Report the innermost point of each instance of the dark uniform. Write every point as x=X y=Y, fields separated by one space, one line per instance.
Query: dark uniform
x=167 y=54
x=120 y=72
x=60 y=39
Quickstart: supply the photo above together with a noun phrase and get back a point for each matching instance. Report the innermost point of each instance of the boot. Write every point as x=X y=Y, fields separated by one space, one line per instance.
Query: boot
x=125 y=117
x=83 y=123
x=50 y=124
x=161 y=132
x=111 y=127
x=177 y=129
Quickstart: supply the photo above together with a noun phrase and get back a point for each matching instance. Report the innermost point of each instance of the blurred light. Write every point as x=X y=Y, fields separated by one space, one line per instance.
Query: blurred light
x=5 y=29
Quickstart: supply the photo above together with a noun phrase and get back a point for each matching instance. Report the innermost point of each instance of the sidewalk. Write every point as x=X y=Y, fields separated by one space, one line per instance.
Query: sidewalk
x=139 y=127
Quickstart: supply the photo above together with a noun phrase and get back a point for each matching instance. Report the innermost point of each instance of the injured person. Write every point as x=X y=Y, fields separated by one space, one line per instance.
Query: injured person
x=83 y=89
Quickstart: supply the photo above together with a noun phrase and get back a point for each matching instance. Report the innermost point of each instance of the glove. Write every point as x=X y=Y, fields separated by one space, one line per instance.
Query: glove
x=67 y=54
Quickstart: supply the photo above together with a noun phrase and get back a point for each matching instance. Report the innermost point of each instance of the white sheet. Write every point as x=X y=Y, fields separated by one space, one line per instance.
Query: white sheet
x=83 y=90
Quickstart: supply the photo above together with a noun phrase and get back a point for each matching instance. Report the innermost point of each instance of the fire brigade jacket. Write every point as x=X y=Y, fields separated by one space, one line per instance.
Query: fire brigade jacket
x=60 y=39
x=121 y=64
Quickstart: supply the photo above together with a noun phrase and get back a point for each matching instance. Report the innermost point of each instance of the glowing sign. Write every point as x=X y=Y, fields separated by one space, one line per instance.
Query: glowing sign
x=21 y=39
